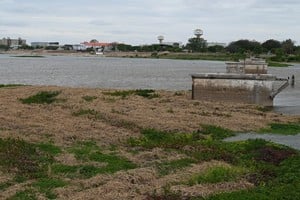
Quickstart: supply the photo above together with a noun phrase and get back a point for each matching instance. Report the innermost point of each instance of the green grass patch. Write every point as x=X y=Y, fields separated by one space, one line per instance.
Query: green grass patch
x=89 y=151
x=24 y=195
x=23 y=158
x=89 y=98
x=216 y=132
x=49 y=148
x=112 y=120
x=216 y=175
x=76 y=171
x=286 y=185
x=43 y=97
x=146 y=93
x=5 y=185
x=285 y=129
x=10 y=85
x=166 y=168
x=114 y=163
x=46 y=185
x=152 y=138
x=278 y=64
x=82 y=150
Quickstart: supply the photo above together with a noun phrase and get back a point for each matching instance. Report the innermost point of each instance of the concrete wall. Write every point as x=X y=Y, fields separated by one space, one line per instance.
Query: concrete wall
x=248 y=66
x=255 y=91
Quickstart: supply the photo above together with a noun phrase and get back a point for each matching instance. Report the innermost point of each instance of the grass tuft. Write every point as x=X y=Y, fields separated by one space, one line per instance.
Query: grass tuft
x=166 y=168
x=43 y=97
x=89 y=98
x=153 y=138
x=146 y=93
x=89 y=151
x=285 y=129
x=24 y=195
x=22 y=158
x=216 y=175
x=46 y=185
x=216 y=132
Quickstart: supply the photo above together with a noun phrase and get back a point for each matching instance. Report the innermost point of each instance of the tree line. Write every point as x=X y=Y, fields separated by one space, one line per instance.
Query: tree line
x=280 y=51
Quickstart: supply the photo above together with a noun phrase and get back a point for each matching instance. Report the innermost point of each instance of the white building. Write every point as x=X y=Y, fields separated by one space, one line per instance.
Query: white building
x=12 y=42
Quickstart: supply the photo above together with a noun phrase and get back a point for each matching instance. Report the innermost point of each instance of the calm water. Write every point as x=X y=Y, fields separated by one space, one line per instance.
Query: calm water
x=128 y=73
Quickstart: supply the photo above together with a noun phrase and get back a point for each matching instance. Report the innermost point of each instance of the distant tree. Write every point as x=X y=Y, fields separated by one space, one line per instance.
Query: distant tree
x=4 y=47
x=288 y=46
x=196 y=45
x=244 y=46
x=123 y=47
x=94 y=41
x=280 y=55
x=25 y=46
x=271 y=45
x=297 y=50
x=215 y=48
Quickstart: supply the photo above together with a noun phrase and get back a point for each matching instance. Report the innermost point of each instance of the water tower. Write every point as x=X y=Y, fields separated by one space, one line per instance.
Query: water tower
x=160 y=39
x=198 y=33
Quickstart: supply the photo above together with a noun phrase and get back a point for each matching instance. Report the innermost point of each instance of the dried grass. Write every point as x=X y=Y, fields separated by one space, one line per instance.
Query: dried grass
x=55 y=122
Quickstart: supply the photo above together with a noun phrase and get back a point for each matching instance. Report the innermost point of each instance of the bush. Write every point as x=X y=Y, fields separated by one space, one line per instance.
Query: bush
x=43 y=97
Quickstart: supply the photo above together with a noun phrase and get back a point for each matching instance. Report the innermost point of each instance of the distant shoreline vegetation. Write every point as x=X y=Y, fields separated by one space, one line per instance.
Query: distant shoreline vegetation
x=28 y=56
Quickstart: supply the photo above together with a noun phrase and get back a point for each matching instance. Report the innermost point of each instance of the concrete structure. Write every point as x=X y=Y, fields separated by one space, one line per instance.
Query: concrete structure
x=39 y=44
x=44 y=44
x=79 y=47
x=246 y=81
x=237 y=88
x=248 y=66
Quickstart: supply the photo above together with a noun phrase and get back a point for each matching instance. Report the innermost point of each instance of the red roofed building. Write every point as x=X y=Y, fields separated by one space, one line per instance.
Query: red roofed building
x=98 y=45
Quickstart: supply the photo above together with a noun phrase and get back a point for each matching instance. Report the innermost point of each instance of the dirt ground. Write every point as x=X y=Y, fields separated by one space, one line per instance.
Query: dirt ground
x=120 y=119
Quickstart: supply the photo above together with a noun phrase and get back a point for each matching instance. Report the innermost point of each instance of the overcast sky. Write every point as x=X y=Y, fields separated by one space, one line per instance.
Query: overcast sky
x=141 y=21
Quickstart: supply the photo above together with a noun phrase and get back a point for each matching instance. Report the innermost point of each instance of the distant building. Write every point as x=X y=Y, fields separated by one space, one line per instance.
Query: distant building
x=44 y=44
x=98 y=46
x=79 y=47
x=13 y=43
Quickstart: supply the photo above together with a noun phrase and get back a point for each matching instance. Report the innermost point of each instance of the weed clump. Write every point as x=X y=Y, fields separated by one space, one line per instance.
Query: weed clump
x=216 y=175
x=216 y=132
x=153 y=138
x=43 y=97
x=22 y=158
x=146 y=93
x=89 y=151
x=89 y=98
x=285 y=129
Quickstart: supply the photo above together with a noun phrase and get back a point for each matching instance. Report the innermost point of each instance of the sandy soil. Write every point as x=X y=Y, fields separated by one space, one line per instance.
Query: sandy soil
x=120 y=119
